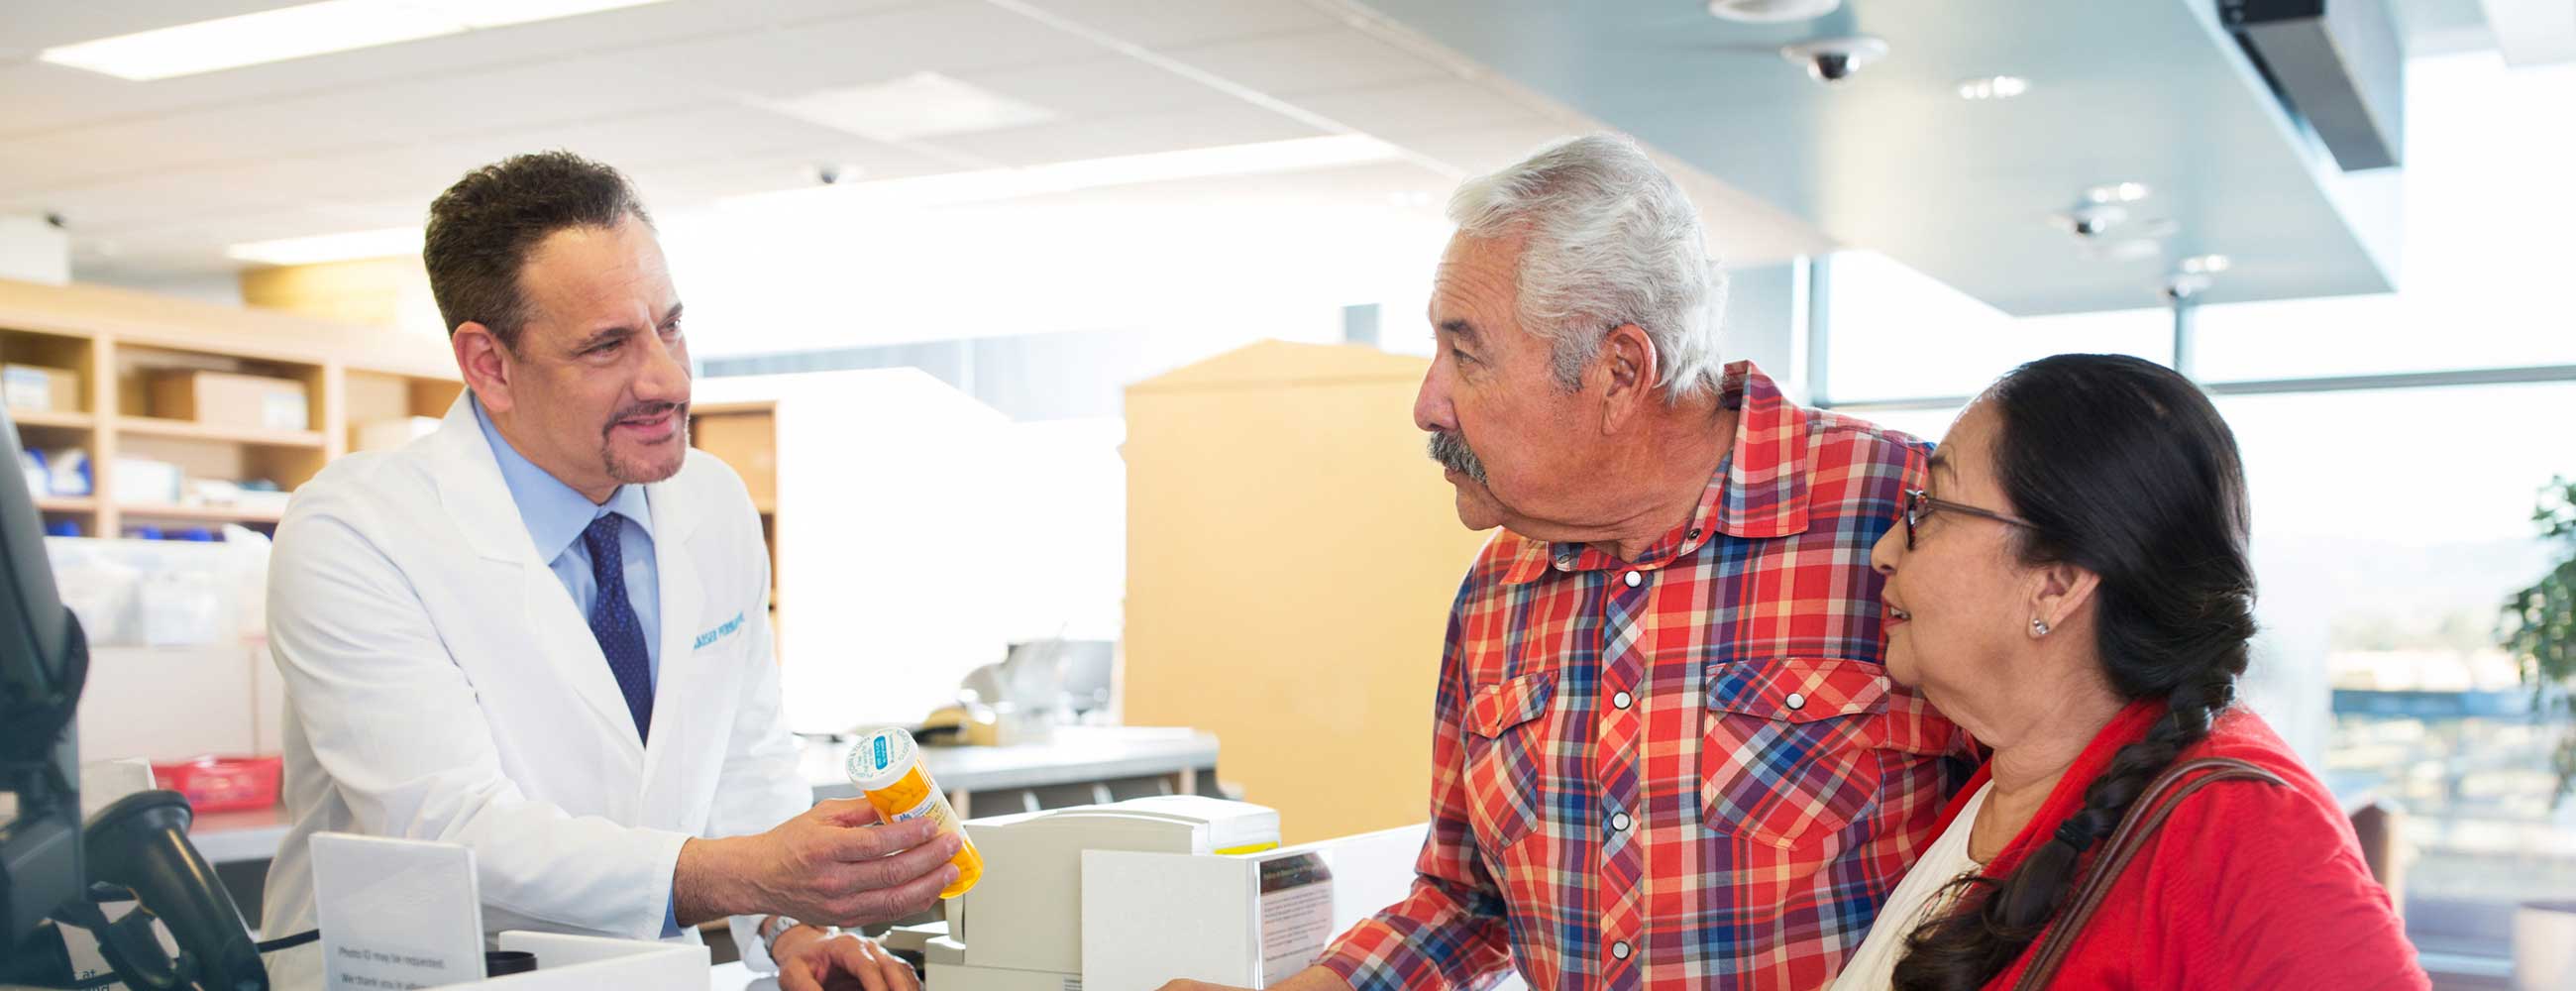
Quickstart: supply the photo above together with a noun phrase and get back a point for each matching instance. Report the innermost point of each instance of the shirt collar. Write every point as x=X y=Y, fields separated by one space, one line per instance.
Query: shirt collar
x=1758 y=491
x=554 y=513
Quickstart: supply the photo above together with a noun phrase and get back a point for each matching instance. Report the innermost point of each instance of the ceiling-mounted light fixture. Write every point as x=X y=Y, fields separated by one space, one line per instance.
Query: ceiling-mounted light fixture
x=379 y=243
x=2118 y=192
x=2204 y=264
x=988 y=185
x=301 y=31
x=1771 y=11
x=1993 y=87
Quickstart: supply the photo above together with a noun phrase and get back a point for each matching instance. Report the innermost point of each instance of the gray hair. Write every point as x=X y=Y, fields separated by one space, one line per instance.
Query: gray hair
x=1608 y=239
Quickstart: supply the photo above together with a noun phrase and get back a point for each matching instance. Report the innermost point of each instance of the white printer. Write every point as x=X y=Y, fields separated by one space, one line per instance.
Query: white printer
x=1123 y=897
x=1020 y=929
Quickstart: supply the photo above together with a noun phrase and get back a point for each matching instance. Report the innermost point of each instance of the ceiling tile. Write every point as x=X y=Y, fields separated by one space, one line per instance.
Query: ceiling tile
x=1311 y=62
x=147 y=201
x=34 y=27
x=675 y=186
x=411 y=174
x=1100 y=87
x=1474 y=151
x=950 y=38
x=526 y=96
x=1131 y=135
x=79 y=156
x=656 y=138
x=1163 y=24
x=44 y=96
x=1391 y=112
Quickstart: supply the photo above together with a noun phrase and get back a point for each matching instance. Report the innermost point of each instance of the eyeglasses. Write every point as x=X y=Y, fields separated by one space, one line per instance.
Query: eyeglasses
x=1919 y=506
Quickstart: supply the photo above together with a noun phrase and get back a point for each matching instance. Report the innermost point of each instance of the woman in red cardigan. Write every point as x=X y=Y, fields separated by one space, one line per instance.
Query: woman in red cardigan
x=2074 y=590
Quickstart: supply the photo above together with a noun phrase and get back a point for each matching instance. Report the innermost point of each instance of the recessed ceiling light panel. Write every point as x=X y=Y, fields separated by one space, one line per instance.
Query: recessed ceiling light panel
x=381 y=243
x=1993 y=87
x=921 y=105
x=2118 y=192
x=302 y=31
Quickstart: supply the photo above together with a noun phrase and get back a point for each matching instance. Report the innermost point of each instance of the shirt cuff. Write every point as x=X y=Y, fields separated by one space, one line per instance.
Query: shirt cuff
x=1375 y=956
x=671 y=917
x=747 y=942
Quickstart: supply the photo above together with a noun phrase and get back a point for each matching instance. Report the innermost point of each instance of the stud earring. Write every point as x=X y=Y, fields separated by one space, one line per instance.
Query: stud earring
x=2038 y=628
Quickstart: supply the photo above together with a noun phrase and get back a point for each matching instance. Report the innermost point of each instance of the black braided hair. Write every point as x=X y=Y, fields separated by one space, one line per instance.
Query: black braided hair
x=2124 y=469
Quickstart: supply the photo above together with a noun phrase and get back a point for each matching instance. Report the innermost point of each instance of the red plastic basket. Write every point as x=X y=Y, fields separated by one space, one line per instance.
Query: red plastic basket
x=223 y=784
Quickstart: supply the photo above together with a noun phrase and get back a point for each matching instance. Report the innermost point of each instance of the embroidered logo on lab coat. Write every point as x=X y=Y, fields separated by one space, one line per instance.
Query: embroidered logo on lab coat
x=730 y=627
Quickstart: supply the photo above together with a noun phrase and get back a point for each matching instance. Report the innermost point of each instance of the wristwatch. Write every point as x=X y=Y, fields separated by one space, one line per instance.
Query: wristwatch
x=774 y=927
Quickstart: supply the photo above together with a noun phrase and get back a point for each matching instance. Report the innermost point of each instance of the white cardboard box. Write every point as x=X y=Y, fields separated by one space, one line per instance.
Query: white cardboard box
x=1152 y=917
x=582 y=962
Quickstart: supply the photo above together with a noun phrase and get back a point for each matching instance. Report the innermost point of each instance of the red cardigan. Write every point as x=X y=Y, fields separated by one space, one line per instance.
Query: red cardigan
x=2248 y=885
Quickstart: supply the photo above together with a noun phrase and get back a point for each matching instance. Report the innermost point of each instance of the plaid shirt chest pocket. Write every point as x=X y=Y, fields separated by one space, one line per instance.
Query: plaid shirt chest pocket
x=1505 y=744
x=1788 y=755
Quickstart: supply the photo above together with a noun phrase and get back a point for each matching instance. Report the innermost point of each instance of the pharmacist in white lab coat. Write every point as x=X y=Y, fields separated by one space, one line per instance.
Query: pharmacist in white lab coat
x=542 y=631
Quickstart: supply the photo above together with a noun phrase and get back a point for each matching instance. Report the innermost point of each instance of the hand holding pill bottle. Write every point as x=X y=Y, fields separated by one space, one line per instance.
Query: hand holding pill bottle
x=887 y=768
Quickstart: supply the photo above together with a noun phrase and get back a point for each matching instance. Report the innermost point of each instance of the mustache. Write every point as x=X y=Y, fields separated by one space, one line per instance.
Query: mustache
x=640 y=410
x=1449 y=447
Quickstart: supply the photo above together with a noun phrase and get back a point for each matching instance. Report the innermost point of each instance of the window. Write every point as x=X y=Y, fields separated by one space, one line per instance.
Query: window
x=1926 y=424
x=2487 y=221
x=2388 y=522
x=2388 y=526
x=1897 y=334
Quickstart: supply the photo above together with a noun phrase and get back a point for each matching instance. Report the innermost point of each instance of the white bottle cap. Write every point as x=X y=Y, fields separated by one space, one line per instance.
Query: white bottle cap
x=881 y=758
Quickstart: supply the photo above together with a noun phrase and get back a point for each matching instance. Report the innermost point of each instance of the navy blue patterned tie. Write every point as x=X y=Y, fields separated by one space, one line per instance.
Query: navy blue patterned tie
x=613 y=623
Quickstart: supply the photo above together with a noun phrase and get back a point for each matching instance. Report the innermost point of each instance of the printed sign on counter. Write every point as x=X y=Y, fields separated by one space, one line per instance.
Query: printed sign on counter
x=1296 y=913
x=396 y=913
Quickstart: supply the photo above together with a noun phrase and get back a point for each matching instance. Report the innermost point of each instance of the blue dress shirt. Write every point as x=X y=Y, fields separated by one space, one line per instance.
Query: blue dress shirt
x=555 y=516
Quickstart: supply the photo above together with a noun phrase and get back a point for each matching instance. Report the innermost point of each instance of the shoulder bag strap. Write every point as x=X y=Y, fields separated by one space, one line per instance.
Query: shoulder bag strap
x=2146 y=816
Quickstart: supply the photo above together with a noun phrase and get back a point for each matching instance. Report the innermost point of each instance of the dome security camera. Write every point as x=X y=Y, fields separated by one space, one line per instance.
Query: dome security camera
x=2183 y=287
x=2093 y=220
x=1832 y=60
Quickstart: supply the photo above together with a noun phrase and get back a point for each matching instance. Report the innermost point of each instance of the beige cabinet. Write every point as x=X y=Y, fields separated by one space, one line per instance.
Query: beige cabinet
x=1292 y=555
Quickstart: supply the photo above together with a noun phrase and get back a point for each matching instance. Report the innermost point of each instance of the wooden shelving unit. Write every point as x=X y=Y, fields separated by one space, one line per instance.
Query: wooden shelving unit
x=153 y=426
x=199 y=514
x=745 y=435
x=115 y=341
x=34 y=419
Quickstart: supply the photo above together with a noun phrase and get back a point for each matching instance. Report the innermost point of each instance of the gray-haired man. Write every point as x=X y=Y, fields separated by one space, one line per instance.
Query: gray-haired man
x=1665 y=752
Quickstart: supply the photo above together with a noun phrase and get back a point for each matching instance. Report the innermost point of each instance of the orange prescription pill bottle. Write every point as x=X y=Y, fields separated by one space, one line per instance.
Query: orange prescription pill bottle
x=886 y=766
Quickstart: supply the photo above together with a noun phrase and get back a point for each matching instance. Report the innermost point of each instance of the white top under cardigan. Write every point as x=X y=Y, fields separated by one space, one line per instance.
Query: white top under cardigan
x=1918 y=897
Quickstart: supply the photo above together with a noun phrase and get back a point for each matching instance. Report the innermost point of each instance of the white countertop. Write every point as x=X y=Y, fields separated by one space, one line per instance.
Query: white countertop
x=1077 y=753
x=232 y=837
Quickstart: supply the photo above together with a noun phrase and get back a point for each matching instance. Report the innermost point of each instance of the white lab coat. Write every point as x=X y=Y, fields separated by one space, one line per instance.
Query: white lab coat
x=442 y=685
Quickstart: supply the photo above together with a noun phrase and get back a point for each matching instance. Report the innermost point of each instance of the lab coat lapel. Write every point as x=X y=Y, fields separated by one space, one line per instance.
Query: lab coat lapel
x=683 y=594
x=558 y=635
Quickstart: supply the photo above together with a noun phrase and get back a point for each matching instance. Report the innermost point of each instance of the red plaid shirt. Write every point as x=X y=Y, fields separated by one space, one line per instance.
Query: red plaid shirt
x=1689 y=771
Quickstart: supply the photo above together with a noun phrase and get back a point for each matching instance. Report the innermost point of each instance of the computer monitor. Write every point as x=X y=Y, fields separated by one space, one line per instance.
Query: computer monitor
x=43 y=661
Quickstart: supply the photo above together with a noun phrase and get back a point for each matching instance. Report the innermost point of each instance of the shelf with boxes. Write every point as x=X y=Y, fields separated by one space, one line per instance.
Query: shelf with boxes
x=146 y=417
x=744 y=435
